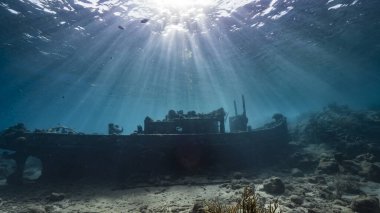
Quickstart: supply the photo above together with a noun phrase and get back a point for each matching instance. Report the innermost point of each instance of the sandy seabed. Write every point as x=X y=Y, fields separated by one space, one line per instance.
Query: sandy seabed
x=310 y=193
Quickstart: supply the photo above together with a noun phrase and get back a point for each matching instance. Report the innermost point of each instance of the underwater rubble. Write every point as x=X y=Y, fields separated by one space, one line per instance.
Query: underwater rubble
x=351 y=136
x=351 y=132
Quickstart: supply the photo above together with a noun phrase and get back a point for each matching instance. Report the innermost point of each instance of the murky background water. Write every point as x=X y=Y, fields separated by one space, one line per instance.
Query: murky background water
x=85 y=63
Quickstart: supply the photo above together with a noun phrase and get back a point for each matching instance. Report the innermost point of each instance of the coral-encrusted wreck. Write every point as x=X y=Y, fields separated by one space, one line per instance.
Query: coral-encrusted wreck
x=180 y=143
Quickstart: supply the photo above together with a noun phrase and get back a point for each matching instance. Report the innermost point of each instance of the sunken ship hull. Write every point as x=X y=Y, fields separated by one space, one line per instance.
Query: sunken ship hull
x=181 y=143
x=65 y=156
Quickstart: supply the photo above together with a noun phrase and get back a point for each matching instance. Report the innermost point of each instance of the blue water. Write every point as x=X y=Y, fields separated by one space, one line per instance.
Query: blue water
x=84 y=64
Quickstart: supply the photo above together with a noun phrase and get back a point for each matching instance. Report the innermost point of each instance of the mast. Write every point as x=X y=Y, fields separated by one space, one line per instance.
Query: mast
x=242 y=97
x=235 y=108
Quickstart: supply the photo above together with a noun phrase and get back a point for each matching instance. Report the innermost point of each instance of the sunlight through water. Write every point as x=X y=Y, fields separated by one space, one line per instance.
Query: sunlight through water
x=181 y=5
x=103 y=61
x=177 y=14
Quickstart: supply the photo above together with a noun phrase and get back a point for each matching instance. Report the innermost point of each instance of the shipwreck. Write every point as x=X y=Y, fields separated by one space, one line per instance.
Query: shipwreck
x=182 y=143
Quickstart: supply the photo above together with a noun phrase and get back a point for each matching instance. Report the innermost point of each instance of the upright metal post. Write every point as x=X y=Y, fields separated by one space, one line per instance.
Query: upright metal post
x=235 y=108
x=243 y=105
